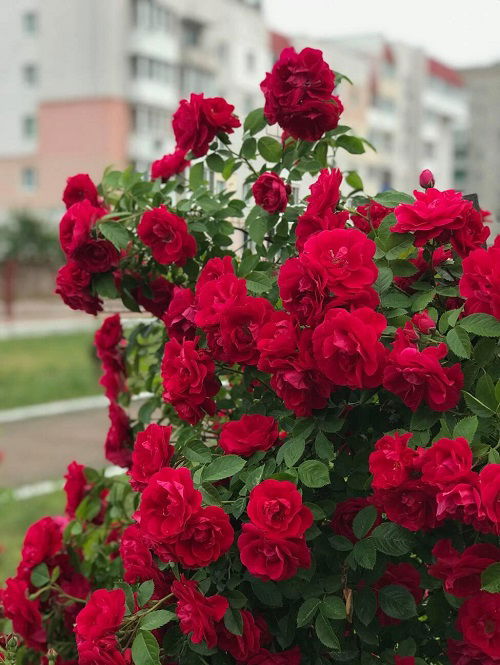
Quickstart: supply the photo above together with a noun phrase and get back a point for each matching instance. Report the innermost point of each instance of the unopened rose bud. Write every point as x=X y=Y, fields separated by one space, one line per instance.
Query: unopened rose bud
x=426 y=179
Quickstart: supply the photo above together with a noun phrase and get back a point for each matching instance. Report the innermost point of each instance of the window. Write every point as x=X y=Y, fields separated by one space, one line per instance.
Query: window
x=150 y=15
x=160 y=71
x=30 y=23
x=29 y=126
x=191 y=32
x=30 y=74
x=295 y=195
x=28 y=178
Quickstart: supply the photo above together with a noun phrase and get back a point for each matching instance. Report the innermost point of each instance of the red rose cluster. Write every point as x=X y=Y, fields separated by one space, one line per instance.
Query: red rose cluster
x=419 y=488
x=298 y=94
x=480 y=282
x=96 y=627
x=272 y=545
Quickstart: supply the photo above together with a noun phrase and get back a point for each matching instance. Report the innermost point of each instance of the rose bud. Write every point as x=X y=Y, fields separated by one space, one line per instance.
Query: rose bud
x=427 y=179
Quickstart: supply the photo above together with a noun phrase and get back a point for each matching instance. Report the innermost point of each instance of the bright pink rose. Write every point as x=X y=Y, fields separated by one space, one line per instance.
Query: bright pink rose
x=392 y=461
x=152 y=452
x=480 y=282
x=80 y=188
x=271 y=192
x=101 y=616
x=426 y=179
x=198 y=614
x=275 y=507
x=344 y=514
x=479 y=622
x=252 y=432
x=169 y=165
x=167 y=235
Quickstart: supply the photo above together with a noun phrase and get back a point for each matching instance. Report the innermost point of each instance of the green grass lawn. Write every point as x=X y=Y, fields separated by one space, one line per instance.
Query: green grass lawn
x=15 y=518
x=43 y=369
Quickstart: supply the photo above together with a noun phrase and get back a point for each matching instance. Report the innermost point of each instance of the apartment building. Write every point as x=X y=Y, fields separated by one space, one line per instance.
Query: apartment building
x=87 y=83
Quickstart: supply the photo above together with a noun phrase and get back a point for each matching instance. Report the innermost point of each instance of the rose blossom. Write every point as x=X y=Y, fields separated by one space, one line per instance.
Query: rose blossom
x=169 y=165
x=75 y=487
x=179 y=317
x=80 y=187
x=271 y=193
x=101 y=616
x=480 y=281
x=74 y=286
x=76 y=224
x=167 y=235
x=100 y=652
x=241 y=647
x=275 y=507
x=309 y=225
x=252 y=432
x=446 y=462
x=489 y=485
x=198 y=614
x=216 y=296
x=392 y=461
x=42 y=541
x=479 y=622
x=118 y=444
x=152 y=452
x=403 y=574
x=213 y=269
x=236 y=339
x=370 y=216
x=423 y=322
x=426 y=179
x=411 y=504
x=154 y=294
x=461 y=653
x=24 y=613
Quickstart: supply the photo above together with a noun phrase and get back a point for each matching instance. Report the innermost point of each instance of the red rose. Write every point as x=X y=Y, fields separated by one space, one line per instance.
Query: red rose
x=275 y=507
x=96 y=255
x=73 y=285
x=461 y=653
x=169 y=165
x=472 y=234
x=154 y=295
x=76 y=487
x=101 y=652
x=265 y=657
x=423 y=322
x=463 y=502
x=345 y=256
x=206 y=536
x=412 y=505
x=167 y=503
x=344 y=514
x=392 y=461
x=249 y=434
x=370 y=216
x=101 y=616
x=426 y=179
x=75 y=225
x=277 y=341
x=109 y=335
x=179 y=317
x=446 y=462
x=405 y=575
x=152 y=452
x=167 y=235
x=80 y=188
x=347 y=347
x=303 y=291
x=236 y=339
x=138 y=562
x=417 y=376
x=325 y=192
x=271 y=193
x=404 y=660
x=198 y=614
x=480 y=282
x=189 y=380
x=309 y=225
x=241 y=647
x=24 y=614
x=489 y=486
x=298 y=94
x=461 y=572
x=197 y=121
x=43 y=540
x=479 y=622
x=118 y=444
x=272 y=559
x=215 y=296
x=213 y=269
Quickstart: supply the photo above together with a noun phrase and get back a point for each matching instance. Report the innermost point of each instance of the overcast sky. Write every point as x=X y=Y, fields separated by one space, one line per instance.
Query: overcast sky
x=459 y=32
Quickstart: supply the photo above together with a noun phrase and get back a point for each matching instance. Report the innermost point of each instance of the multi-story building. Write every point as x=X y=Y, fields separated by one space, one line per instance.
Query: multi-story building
x=86 y=84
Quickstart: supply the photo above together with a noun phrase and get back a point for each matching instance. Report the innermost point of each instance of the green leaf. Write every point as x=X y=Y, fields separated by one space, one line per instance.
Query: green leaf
x=365 y=553
x=483 y=325
x=270 y=149
x=196 y=176
x=156 y=619
x=249 y=148
x=354 y=180
x=384 y=279
x=459 y=342
x=341 y=543
x=365 y=605
x=307 y=611
x=421 y=300
x=423 y=418
x=326 y=634
x=116 y=233
x=257 y=228
x=196 y=451
x=392 y=539
x=314 y=473
x=350 y=143
x=403 y=268
x=490 y=578
x=323 y=447
x=476 y=406
x=485 y=392
x=145 y=592
x=222 y=467
x=333 y=607
x=255 y=121
x=364 y=521
x=259 y=282
x=104 y=284
x=248 y=263
x=391 y=198
x=268 y=593
x=395 y=299
x=40 y=575
x=397 y=602
x=215 y=162
x=466 y=427
x=145 y=649
x=292 y=450
x=233 y=621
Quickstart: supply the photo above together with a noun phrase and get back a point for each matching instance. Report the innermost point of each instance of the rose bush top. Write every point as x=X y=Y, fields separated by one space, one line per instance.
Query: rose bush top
x=314 y=476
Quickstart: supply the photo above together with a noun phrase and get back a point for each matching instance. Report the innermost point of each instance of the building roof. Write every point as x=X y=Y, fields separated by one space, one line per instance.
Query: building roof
x=442 y=71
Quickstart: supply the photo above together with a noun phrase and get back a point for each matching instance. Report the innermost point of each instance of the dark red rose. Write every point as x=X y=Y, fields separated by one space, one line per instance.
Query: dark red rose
x=179 y=317
x=169 y=165
x=152 y=452
x=75 y=225
x=392 y=461
x=404 y=660
x=101 y=652
x=240 y=323
x=24 y=614
x=405 y=575
x=241 y=647
x=79 y=188
x=265 y=657
x=417 y=376
x=277 y=342
x=213 y=269
x=197 y=121
x=370 y=216
x=275 y=507
x=189 y=380
x=472 y=234
x=309 y=225
x=480 y=282
x=43 y=540
x=446 y=462
x=347 y=347
x=206 y=536
x=154 y=295
x=73 y=285
x=217 y=295
x=479 y=622
x=167 y=503
x=76 y=487
x=423 y=322
x=489 y=485
x=303 y=290
x=167 y=235
x=412 y=505
x=101 y=616
x=249 y=434
x=109 y=335
x=344 y=514
x=462 y=501
x=461 y=653
x=461 y=571
x=118 y=444
x=271 y=193
x=96 y=255
x=198 y=614
x=272 y=559
x=298 y=94
x=138 y=564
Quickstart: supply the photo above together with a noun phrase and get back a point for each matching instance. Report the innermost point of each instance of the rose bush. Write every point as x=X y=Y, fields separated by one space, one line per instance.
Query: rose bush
x=313 y=476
